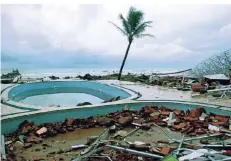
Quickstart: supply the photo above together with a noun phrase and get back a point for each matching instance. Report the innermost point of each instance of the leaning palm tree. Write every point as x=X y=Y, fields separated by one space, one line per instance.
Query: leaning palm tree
x=134 y=26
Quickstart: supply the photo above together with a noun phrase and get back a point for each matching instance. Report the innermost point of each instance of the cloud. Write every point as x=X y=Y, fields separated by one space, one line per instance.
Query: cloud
x=226 y=30
x=182 y=31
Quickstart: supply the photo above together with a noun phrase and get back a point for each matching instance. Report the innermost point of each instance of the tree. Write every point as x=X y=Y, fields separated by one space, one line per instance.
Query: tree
x=134 y=26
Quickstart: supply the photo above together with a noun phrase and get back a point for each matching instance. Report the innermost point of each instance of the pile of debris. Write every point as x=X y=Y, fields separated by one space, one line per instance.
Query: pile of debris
x=83 y=104
x=89 y=77
x=192 y=122
x=12 y=74
x=112 y=99
x=112 y=144
x=171 y=81
x=11 y=77
x=106 y=101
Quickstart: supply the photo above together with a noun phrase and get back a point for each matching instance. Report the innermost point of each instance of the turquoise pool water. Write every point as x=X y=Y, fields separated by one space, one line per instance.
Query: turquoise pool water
x=62 y=99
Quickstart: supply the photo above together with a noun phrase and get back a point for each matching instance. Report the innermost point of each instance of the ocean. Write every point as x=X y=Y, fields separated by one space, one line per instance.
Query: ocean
x=62 y=72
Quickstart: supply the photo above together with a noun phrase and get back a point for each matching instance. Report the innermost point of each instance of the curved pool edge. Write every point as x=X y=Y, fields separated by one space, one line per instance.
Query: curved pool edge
x=19 y=105
x=129 y=102
x=59 y=114
x=122 y=102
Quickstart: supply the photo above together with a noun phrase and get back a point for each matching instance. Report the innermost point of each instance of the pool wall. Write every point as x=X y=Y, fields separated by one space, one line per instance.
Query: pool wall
x=99 y=90
x=13 y=94
x=11 y=123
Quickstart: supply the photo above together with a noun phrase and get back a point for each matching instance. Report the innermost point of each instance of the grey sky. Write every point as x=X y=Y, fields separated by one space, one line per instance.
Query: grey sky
x=80 y=34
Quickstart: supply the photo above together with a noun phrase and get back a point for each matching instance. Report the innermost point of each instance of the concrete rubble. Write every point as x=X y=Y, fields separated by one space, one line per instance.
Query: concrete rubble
x=112 y=144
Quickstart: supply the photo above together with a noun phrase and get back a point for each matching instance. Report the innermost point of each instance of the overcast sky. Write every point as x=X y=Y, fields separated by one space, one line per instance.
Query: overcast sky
x=80 y=35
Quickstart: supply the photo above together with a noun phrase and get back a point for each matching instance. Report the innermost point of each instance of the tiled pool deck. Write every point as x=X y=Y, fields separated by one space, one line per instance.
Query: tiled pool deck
x=147 y=92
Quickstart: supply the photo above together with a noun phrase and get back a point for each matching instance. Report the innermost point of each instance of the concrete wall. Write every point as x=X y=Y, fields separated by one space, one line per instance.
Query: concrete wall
x=11 y=123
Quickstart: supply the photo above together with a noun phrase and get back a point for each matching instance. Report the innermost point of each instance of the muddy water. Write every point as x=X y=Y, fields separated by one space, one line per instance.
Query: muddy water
x=79 y=136
x=61 y=141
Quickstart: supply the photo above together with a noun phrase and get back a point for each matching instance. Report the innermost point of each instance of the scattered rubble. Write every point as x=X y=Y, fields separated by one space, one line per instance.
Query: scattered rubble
x=18 y=145
x=11 y=77
x=42 y=131
x=112 y=99
x=53 y=105
x=53 y=77
x=67 y=77
x=195 y=124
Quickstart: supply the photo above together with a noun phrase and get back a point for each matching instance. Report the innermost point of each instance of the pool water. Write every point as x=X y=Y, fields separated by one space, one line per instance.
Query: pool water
x=64 y=93
x=62 y=99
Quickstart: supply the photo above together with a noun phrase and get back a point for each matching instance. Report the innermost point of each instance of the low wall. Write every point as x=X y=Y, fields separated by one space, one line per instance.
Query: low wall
x=11 y=123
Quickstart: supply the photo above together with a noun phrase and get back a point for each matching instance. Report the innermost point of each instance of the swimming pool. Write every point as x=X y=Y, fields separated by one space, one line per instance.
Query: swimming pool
x=61 y=99
x=64 y=93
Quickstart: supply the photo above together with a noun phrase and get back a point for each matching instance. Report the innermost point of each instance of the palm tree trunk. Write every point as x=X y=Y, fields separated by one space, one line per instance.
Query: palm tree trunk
x=125 y=57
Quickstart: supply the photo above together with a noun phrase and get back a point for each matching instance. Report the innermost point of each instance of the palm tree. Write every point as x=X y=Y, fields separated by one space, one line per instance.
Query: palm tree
x=134 y=26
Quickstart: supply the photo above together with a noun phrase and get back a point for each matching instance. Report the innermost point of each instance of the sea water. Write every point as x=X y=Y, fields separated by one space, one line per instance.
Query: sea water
x=73 y=72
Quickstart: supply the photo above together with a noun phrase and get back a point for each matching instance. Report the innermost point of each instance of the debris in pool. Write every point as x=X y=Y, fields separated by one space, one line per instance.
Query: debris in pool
x=112 y=99
x=21 y=138
x=27 y=145
x=165 y=150
x=120 y=134
x=125 y=120
x=139 y=145
x=8 y=142
x=213 y=128
x=188 y=123
x=127 y=108
x=18 y=145
x=171 y=119
x=78 y=146
x=112 y=129
x=202 y=117
x=84 y=104
x=42 y=131
x=53 y=105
